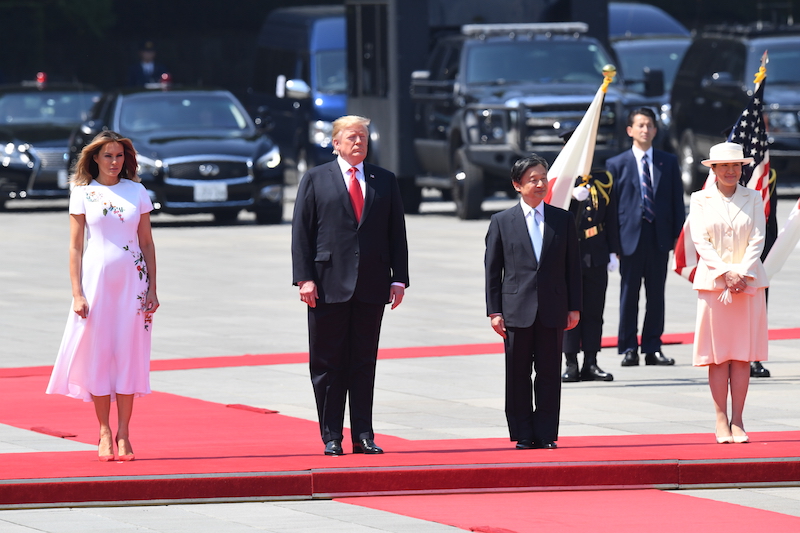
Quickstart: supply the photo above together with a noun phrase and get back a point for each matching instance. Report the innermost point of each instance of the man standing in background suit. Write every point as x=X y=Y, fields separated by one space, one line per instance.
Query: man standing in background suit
x=649 y=195
x=349 y=259
x=533 y=293
x=146 y=70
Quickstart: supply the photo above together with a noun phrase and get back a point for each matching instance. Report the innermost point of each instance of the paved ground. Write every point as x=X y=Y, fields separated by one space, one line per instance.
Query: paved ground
x=225 y=290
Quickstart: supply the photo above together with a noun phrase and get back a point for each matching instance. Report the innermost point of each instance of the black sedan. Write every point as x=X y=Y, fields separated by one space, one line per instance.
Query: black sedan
x=199 y=151
x=36 y=120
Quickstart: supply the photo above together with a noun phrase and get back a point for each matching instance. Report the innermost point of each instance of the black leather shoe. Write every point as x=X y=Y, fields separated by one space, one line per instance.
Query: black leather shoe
x=334 y=447
x=631 y=358
x=658 y=358
x=545 y=445
x=594 y=373
x=525 y=444
x=571 y=374
x=757 y=370
x=366 y=446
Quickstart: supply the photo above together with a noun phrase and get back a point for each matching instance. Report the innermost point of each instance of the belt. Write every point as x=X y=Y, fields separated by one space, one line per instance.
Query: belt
x=591 y=232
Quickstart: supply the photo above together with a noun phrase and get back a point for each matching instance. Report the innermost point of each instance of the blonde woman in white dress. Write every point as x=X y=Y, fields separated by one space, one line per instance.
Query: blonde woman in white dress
x=105 y=352
x=728 y=226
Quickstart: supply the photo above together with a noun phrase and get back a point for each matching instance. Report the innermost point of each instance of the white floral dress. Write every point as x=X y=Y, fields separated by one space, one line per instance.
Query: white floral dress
x=108 y=352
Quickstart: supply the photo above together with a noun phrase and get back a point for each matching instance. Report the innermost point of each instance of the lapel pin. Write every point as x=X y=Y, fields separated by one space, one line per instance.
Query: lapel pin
x=372 y=176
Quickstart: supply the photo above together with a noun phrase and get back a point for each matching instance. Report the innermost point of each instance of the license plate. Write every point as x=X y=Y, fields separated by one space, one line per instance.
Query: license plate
x=210 y=192
x=63 y=178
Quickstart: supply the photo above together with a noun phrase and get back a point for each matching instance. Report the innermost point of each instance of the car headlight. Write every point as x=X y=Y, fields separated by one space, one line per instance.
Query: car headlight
x=320 y=133
x=782 y=121
x=146 y=166
x=487 y=126
x=16 y=155
x=269 y=160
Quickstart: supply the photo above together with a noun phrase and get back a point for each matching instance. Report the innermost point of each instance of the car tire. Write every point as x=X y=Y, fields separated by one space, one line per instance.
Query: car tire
x=687 y=159
x=467 y=189
x=270 y=215
x=226 y=217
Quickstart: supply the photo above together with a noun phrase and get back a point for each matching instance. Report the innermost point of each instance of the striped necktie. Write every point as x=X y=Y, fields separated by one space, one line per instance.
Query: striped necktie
x=648 y=206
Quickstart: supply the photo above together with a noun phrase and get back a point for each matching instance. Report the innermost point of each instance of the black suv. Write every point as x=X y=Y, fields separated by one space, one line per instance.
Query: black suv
x=714 y=84
x=198 y=151
x=498 y=92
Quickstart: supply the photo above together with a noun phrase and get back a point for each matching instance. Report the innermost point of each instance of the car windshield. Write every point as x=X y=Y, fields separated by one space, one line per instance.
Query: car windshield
x=663 y=55
x=178 y=112
x=551 y=61
x=331 y=70
x=45 y=107
x=784 y=61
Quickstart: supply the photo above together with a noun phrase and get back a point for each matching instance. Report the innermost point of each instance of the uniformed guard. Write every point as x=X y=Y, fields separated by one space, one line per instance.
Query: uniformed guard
x=596 y=218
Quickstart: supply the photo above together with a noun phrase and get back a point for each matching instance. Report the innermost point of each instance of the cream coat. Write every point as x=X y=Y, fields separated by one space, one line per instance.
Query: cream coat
x=728 y=241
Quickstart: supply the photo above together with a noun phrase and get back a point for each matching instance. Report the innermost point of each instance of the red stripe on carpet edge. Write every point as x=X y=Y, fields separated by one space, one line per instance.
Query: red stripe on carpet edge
x=383 y=353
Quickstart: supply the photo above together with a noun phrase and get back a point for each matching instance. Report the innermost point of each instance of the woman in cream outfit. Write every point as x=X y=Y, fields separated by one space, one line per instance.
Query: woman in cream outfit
x=727 y=225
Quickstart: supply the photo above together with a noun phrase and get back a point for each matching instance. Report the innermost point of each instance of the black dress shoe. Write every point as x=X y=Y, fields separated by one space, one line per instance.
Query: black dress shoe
x=366 y=446
x=334 y=447
x=658 y=358
x=631 y=358
x=594 y=373
x=571 y=375
x=525 y=444
x=545 y=445
x=757 y=370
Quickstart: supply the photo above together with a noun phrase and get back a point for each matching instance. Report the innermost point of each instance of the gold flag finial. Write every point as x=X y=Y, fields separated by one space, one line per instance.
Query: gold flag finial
x=609 y=71
x=762 y=70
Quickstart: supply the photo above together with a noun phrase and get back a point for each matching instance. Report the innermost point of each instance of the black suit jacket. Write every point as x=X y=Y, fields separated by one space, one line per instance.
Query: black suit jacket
x=343 y=257
x=668 y=190
x=517 y=285
x=137 y=77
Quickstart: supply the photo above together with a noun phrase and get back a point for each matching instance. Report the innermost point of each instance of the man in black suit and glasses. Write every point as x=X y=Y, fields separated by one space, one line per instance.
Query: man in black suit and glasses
x=349 y=259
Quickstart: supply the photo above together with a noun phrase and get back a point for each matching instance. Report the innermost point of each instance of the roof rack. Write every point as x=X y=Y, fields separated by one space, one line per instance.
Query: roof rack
x=753 y=29
x=477 y=30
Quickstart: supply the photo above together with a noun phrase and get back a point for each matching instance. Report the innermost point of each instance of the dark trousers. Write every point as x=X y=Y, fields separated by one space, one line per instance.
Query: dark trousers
x=587 y=335
x=538 y=349
x=343 y=350
x=647 y=263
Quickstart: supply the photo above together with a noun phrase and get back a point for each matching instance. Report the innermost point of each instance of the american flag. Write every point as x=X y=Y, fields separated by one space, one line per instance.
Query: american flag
x=750 y=131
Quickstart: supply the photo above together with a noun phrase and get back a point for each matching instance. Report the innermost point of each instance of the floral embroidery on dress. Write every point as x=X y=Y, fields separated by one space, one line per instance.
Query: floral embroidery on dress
x=148 y=317
x=93 y=196
x=108 y=207
x=138 y=261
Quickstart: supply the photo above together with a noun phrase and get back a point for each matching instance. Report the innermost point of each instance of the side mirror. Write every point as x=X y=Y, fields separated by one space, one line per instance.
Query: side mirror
x=297 y=89
x=653 y=82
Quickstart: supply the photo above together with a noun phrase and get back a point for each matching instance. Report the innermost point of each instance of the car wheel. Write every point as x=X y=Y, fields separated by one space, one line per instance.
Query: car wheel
x=467 y=187
x=688 y=164
x=226 y=217
x=270 y=215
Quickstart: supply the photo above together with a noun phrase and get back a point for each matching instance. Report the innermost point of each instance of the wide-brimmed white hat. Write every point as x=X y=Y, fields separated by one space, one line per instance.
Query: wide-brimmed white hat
x=726 y=153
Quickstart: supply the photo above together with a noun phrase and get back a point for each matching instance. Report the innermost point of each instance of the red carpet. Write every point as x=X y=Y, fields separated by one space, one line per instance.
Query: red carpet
x=649 y=511
x=192 y=450
x=383 y=353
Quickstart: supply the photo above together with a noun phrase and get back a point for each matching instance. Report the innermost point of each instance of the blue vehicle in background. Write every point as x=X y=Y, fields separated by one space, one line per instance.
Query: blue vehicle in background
x=300 y=82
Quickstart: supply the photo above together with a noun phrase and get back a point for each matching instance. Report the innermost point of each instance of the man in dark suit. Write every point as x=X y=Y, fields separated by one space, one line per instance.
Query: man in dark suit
x=349 y=258
x=533 y=293
x=146 y=70
x=649 y=195
x=595 y=213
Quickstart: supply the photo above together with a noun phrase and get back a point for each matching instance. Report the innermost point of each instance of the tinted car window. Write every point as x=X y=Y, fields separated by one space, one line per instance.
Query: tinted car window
x=664 y=55
x=173 y=112
x=331 y=69
x=536 y=61
x=625 y=19
x=784 y=60
x=45 y=107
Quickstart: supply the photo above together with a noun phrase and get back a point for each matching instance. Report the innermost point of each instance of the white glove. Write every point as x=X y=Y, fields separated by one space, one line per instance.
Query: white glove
x=613 y=262
x=580 y=193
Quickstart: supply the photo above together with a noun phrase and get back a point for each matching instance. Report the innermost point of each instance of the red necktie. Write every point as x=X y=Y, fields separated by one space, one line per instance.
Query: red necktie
x=356 y=197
